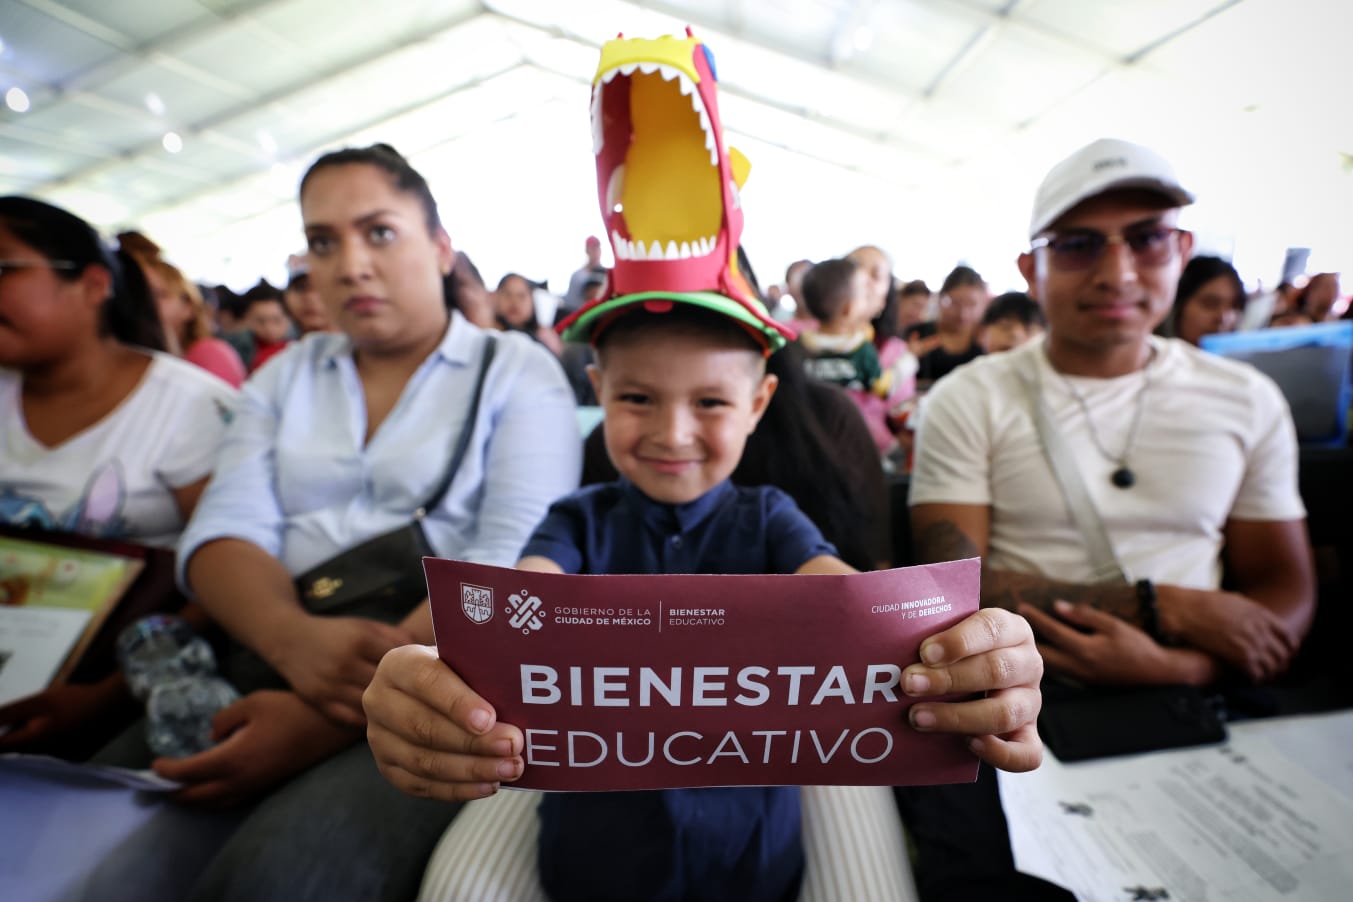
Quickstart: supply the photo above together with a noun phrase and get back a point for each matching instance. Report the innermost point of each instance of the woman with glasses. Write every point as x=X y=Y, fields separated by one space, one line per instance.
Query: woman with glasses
x=101 y=432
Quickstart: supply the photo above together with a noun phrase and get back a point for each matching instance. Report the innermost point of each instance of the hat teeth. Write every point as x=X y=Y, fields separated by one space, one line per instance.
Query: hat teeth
x=655 y=252
x=687 y=86
x=648 y=67
x=669 y=72
x=628 y=68
x=672 y=251
x=685 y=250
x=620 y=245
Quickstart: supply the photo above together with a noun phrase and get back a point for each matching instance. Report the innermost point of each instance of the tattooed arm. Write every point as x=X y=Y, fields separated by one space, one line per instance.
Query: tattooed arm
x=947 y=532
x=1103 y=644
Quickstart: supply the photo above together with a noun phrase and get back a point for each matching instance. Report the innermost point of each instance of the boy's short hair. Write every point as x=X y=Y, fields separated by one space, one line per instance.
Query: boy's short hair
x=260 y=293
x=1015 y=305
x=826 y=288
x=689 y=319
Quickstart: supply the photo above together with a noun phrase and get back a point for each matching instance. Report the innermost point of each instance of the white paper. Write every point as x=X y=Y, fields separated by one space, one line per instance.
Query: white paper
x=34 y=643
x=1266 y=816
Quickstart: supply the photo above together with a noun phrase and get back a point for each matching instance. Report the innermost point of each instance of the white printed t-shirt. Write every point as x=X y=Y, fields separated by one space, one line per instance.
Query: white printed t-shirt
x=115 y=479
x=1215 y=442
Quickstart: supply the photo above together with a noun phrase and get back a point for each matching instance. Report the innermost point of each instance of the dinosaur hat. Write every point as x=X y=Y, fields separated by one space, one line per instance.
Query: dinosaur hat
x=668 y=188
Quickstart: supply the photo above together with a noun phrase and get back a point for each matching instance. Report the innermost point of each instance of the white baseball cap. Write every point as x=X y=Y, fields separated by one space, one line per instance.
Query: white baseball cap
x=1105 y=165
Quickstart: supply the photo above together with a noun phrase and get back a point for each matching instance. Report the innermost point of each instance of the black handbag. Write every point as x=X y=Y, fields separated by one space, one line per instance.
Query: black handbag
x=380 y=579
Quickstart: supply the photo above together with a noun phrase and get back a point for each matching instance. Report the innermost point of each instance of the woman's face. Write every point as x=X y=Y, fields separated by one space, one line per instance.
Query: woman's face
x=43 y=317
x=1214 y=307
x=879 y=270
x=372 y=258
x=513 y=303
x=175 y=310
x=962 y=308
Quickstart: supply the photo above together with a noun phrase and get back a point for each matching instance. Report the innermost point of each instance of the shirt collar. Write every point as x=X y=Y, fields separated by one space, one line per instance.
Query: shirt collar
x=682 y=517
x=460 y=345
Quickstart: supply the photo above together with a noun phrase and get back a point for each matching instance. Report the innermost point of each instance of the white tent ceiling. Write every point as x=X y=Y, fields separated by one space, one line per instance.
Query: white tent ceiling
x=919 y=125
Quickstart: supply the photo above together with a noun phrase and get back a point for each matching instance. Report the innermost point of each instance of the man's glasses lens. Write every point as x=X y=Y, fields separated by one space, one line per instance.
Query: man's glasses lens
x=1081 y=250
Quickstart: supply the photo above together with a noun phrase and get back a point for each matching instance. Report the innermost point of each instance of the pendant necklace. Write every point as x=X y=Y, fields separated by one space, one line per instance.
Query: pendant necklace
x=1122 y=477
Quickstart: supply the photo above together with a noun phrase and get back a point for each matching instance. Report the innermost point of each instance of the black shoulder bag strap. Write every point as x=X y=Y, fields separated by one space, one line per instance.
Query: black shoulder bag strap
x=462 y=443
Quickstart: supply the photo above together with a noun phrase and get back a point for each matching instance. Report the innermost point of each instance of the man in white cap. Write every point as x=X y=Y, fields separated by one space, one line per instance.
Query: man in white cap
x=1108 y=524
x=1188 y=460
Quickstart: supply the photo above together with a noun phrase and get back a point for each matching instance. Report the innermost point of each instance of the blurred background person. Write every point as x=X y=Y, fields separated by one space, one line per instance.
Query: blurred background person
x=1010 y=321
x=303 y=302
x=1210 y=299
x=963 y=301
x=514 y=309
x=573 y=297
x=264 y=315
x=183 y=313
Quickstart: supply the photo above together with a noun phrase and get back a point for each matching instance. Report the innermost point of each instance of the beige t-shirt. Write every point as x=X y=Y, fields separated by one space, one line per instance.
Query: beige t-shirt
x=1215 y=442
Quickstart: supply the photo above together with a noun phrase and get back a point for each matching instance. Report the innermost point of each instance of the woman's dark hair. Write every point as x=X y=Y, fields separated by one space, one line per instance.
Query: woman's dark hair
x=1197 y=273
x=961 y=277
x=384 y=157
x=129 y=314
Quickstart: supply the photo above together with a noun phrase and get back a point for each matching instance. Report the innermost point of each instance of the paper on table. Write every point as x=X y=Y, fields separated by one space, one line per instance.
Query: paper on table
x=71 y=772
x=1267 y=816
x=645 y=682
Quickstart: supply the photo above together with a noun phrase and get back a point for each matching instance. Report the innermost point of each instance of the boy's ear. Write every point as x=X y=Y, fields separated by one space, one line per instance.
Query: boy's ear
x=594 y=376
x=765 y=390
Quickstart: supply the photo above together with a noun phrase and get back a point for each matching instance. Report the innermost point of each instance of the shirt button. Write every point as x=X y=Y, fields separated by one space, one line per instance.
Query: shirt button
x=676 y=541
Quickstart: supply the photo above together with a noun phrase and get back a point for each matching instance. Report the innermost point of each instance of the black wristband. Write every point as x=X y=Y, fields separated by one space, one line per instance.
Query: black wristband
x=1147 y=610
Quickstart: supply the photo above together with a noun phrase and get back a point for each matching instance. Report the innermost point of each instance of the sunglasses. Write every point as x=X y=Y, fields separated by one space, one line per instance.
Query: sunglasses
x=1151 y=245
x=10 y=265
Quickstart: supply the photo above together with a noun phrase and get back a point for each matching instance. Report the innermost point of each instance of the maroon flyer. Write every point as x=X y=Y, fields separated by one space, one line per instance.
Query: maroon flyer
x=659 y=682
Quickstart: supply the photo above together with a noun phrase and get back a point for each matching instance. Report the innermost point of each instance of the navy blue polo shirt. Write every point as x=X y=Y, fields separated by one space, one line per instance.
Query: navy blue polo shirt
x=678 y=844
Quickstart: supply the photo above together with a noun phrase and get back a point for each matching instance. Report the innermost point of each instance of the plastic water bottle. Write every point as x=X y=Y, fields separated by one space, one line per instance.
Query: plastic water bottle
x=179 y=713
x=173 y=670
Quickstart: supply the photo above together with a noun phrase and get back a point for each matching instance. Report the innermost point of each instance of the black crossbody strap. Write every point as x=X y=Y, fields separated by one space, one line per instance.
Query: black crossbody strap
x=462 y=443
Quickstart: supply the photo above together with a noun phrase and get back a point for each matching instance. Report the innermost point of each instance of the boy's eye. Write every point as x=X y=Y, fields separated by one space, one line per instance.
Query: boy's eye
x=319 y=244
x=711 y=403
x=381 y=234
x=634 y=397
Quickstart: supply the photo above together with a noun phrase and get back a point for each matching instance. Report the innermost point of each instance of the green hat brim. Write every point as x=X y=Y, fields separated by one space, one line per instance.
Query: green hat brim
x=583 y=327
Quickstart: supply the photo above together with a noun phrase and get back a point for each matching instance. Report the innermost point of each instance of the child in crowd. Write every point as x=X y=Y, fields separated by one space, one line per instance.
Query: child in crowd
x=1010 y=321
x=265 y=318
x=841 y=349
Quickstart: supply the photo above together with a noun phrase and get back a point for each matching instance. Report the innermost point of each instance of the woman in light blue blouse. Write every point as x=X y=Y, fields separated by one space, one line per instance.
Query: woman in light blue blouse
x=337 y=440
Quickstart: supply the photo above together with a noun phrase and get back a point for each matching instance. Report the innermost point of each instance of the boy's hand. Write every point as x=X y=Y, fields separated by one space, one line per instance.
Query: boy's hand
x=432 y=735
x=991 y=651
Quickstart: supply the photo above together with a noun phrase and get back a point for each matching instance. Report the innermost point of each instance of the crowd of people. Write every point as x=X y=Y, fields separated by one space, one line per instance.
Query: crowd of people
x=265 y=433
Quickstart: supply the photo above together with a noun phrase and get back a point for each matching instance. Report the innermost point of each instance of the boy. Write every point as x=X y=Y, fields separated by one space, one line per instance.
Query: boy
x=841 y=349
x=265 y=317
x=1010 y=321
x=681 y=390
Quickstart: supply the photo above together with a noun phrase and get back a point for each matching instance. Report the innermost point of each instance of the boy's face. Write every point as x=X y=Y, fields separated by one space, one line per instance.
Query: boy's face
x=1007 y=333
x=678 y=410
x=862 y=308
x=268 y=321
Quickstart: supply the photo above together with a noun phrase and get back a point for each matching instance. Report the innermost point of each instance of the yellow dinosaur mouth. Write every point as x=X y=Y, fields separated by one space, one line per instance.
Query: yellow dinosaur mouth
x=668 y=190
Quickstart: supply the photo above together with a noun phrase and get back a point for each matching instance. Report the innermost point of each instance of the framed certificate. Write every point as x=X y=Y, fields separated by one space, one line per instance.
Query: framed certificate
x=54 y=597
